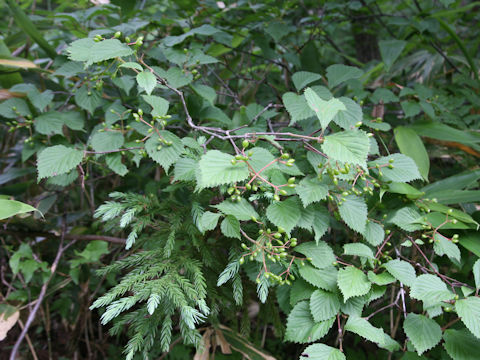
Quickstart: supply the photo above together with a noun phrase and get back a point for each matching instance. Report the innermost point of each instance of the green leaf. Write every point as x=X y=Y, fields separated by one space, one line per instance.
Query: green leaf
x=374 y=233
x=56 y=160
x=147 y=81
x=159 y=104
x=461 y=344
x=352 y=282
x=444 y=246
x=311 y=190
x=297 y=107
x=301 y=327
x=131 y=65
x=168 y=154
x=209 y=220
x=107 y=141
x=9 y=208
x=242 y=209
x=471 y=241
x=301 y=290
x=390 y=51
x=402 y=271
x=88 y=99
x=476 y=273
x=114 y=162
x=325 y=110
x=185 y=169
x=424 y=333
x=284 y=213
x=456 y=182
x=404 y=168
x=303 y=78
x=431 y=290
x=469 y=311
x=348 y=118
x=323 y=278
x=406 y=218
x=380 y=279
x=230 y=227
x=348 y=147
x=216 y=169
x=358 y=249
x=411 y=145
x=339 y=73
x=90 y=51
x=354 y=212
x=322 y=255
x=324 y=305
x=363 y=328
x=321 y=352
x=206 y=92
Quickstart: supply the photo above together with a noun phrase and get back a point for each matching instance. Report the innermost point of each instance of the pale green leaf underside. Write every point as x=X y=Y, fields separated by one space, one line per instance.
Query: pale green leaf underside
x=322 y=255
x=348 y=147
x=284 y=213
x=402 y=271
x=354 y=212
x=215 y=168
x=242 y=210
x=423 y=332
x=9 y=208
x=322 y=352
x=57 y=160
x=301 y=327
x=325 y=110
x=352 y=282
x=469 y=311
x=90 y=51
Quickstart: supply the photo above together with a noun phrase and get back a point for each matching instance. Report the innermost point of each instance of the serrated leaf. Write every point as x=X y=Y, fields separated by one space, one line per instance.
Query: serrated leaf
x=159 y=105
x=311 y=190
x=301 y=290
x=230 y=227
x=301 y=327
x=374 y=233
x=424 y=333
x=88 y=99
x=168 y=154
x=404 y=168
x=402 y=271
x=297 y=107
x=430 y=289
x=352 y=282
x=461 y=344
x=354 y=306
x=352 y=114
x=90 y=51
x=185 y=169
x=469 y=311
x=324 y=305
x=325 y=279
x=216 y=169
x=380 y=279
x=321 y=254
x=348 y=147
x=390 y=51
x=443 y=246
x=56 y=160
x=107 y=141
x=284 y=213
x=147 y=81
x=209 y=220
x=354 y=212
x=303 y=78
x=339 y=73
x=363 y=328
x=242 y=209
x=476 y=273
x=358 y=249
x=325 y=110
x=411 y=144
x=321 y=352
x=114 y=162
x=406 y=218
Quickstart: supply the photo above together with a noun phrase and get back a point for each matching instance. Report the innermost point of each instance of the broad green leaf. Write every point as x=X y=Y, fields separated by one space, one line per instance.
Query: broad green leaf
x=147 y=81
x=185 y=169
x=89 y=51
x=406 y=218
x=390 y=51
x=411 y=145
x=443 y=246
x=324 y=305
x=406 y=189
x=12 y=107
x=352 y=282
x=348 y=118
x=9 y=208
x=380 y=279
x=374 y=233
x=402 y=271
x=88 y=99
x=57 y=160
x=354 y=306
x=358 y=249
x=461 y=344
x=339 y=73
x=209 y=220
x=423 y=332
x=363 y=328
x=242 y=210
x=131 y=65
x=301 y=328
x=206 y=92
x=297 y=107
x=321 y=352
x=471 y=241
x=347 y=147
x=456 y=196
x=354 y=212
x=50 y=123
x=384 y=95
x=456 y=182
x=325 y=110
x=260 y=159
x=311 y=190
x=284 y=213
x=469 y=311
x=114 y=162
x=440 y=131
x=205 y=30
x=430 y=289
x=404 y=168
x=476 y=273
x=322 y=255
x=215 y=168
x=303 y=78
x=301 y=290
x=107 y=141
x=325 y=279
x=165 y=155
x=159 y=105
x=175 y=77
x=230 y=227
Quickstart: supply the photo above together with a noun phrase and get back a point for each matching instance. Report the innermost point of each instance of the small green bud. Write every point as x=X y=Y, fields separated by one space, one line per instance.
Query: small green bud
x=117 y=34
x=245 y=143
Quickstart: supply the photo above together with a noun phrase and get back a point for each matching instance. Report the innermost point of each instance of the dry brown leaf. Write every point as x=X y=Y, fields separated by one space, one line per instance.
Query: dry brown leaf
x=203 y=352
x=224 y=345
x=7 y=323
x=26 y=64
